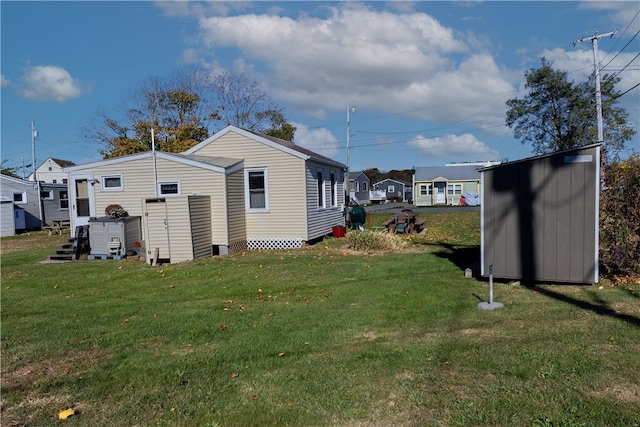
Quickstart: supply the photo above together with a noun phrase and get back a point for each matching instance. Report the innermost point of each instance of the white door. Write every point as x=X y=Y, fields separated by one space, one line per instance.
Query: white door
x=156 y=229
x=441 y=197
x=83 y=204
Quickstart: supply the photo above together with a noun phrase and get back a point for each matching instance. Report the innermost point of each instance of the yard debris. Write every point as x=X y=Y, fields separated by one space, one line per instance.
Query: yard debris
x=66 y=413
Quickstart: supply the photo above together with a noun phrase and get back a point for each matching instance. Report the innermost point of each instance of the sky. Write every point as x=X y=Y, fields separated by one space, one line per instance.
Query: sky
x=429 y=80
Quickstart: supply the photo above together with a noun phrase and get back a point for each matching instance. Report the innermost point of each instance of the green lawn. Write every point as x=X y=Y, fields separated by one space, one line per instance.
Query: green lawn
x=320 y=336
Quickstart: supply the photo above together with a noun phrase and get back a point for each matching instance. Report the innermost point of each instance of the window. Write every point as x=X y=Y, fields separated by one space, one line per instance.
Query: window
x=334 y=189
x=320 y=185
x=454 y=189
x=256 y=190
x=112 y=183
x=55 y=181
x=20 y=197
x=50 y=168
x=364 y=186
x=46 y=194
x=423 y=190
x=168 y=188
x=391 y=189
x=64 y=199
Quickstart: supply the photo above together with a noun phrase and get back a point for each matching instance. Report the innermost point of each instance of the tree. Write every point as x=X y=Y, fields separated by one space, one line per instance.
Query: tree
x=8 y=170
x=244 y=104
x=182 y=110
x=173 y=108
x=557 y=114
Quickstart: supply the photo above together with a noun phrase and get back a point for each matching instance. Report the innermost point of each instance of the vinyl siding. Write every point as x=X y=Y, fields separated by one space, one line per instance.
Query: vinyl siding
x=235 y=207
x=138 y=184
x=200 y=219
x=322 y=219
x=285 y=186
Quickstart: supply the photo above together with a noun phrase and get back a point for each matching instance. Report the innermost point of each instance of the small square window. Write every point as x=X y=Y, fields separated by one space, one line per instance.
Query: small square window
x=20 y=197
x=46 y=194
x=169 y=188
x=112 y=183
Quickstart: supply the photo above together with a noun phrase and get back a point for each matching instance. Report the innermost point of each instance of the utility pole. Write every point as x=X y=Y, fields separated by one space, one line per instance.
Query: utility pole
x=34 y=135
x=594 y=41
x=350 y=109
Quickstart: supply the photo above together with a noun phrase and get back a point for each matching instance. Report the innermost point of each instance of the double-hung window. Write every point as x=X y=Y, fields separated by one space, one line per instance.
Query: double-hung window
x=454 y=189
x=334 y=189
x=320 y=185
x=256 y=190
x=64 y=200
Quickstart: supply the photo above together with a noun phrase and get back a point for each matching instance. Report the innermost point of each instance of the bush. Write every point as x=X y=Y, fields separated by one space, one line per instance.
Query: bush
x=372 y=241
x=620 y=219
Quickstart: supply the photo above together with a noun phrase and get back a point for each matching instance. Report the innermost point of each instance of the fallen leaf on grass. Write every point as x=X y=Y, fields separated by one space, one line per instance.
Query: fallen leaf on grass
x=281 y=354
x=235 y=375
x=253 y=397
x=65 y=413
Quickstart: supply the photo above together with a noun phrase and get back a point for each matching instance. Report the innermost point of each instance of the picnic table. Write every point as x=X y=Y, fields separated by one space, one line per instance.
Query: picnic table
x=57 y=226
x=405 y=221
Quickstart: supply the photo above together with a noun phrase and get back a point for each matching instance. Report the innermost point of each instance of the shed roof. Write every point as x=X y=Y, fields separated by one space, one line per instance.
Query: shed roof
x=451 y=173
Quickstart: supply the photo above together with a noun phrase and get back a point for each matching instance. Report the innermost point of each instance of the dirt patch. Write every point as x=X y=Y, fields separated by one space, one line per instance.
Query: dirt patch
x=32 y=240
x=24 y=376
x=629 y=393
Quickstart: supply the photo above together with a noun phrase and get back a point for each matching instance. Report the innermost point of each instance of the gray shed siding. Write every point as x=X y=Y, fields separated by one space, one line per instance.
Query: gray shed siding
x=539 y=218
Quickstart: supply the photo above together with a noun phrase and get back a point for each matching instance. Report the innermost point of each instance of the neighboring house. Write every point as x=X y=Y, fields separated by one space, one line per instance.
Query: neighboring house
x=27 y=210
x=261 y=193
x=52 y=171
x=359 y=186
x=444 y=185
x=395 y=189
x=55 y=202
x=539 y=217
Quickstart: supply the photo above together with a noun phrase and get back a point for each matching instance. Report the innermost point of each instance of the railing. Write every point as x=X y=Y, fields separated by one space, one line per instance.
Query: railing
x=377 y=195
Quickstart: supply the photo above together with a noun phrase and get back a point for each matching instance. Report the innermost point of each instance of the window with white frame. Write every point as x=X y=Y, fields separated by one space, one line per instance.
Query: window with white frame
x=20 y=197
x=64 y=199
x=334 y=189
x=169 y=188
x=256 y=190
x=46 y=194
x=111 y=182
x=364 y=186
x=391 y=189
x=454 y=189
x=321 y=191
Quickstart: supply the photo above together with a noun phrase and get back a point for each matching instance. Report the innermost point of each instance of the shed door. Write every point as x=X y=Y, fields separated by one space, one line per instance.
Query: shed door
x=156 y=224
x=441 y=197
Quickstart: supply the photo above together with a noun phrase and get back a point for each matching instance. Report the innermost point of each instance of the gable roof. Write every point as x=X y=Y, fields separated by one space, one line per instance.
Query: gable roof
x=399 y=181
x=61 y=163
x=450 y=173
x=218 y=164
x=277 y=143
x=354 y=175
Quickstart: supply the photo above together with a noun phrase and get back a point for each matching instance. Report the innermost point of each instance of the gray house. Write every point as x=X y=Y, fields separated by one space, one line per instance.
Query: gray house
x=539 y=217
x=359 y=186
x=55 y=202
x=24 y=194
x=395 y=189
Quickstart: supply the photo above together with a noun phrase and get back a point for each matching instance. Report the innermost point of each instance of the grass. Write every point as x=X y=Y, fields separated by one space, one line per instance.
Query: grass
x=322 y=336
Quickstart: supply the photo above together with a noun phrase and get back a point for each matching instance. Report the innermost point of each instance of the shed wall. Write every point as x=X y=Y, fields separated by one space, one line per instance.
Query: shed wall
x=540 y=218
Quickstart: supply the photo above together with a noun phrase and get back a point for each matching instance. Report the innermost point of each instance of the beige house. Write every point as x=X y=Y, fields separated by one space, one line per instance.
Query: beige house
x=444 y=185
x=262 y=193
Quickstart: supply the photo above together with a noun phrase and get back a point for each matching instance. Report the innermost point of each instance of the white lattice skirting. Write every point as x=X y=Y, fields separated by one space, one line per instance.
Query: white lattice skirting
x=266 y=243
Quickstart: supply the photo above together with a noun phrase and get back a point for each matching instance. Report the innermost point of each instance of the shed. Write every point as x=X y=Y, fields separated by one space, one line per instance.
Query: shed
x=539 y=217
x=178 y=228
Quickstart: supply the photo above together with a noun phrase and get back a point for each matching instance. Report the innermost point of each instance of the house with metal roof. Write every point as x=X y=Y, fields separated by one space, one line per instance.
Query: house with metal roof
x=444 y=185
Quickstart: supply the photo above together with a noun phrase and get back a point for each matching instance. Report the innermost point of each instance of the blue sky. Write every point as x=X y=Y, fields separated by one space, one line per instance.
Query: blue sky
x=429 y=79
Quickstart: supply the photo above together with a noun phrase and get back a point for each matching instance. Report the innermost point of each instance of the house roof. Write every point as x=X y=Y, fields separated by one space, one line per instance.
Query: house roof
x=62 y=163
x=450 y=173
x=540 y=156
x=354 y=175
x=393 y=180
x=277 y=143
x=219 y=164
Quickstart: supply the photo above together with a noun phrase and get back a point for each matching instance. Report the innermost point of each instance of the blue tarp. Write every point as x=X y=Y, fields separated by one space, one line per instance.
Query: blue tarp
x=471 y=198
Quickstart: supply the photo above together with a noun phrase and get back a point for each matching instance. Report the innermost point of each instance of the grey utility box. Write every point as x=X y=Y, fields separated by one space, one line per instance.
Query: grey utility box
x=114 y=236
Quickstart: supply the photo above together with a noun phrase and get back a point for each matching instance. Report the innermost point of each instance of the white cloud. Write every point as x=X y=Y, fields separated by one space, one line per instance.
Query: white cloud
x=4 y=81
x=319 y=140
x=454 y=148
x=51 y=83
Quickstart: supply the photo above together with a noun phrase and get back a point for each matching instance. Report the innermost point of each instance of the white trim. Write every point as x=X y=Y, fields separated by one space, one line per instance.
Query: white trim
x=596 y=263
x=49 y=197
x=104 y=187
x=482 y=242
x=23 y=197
x=247 y=195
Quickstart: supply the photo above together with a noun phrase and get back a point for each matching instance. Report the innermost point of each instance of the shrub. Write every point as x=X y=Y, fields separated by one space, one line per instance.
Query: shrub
x=620 y=219
x=371 y=241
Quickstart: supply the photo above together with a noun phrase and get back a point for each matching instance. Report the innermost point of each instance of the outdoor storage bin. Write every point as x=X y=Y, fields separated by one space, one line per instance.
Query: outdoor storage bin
x=114 y=236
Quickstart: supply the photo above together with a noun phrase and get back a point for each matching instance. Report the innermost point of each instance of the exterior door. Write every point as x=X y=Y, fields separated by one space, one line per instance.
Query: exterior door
x=156 y=230
x=441 y=196
x=83 y=204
